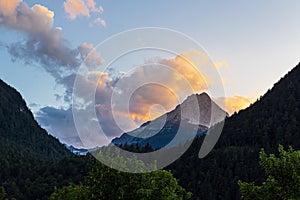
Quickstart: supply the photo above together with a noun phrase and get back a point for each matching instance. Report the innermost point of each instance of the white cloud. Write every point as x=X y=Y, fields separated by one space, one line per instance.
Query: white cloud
x=98 y=21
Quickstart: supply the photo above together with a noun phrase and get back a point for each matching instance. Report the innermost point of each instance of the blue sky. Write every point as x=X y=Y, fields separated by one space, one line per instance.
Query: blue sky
x=259 y=40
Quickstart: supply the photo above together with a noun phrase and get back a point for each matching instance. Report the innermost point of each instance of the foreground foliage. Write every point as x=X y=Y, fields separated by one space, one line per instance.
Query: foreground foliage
x=106 y=183
x=283 y=177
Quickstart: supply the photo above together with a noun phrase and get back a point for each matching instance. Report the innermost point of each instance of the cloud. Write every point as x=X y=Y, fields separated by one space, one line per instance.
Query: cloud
x=103 y=84
x=34 y=20
x=75 y=8
x=164 y=82
x=220 y=64
x=7 y=7
x=91 y=57
x=146 y=97
x=60 y=124
x=186 y=66
x=98 y=21
x=92 y=6
x=234 y=103
x=44 y=43
x=169 y=81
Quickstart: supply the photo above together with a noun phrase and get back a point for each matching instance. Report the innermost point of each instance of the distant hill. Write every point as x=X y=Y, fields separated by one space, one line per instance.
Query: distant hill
x=274 y=119
x=77 y=151
x=81 y=151
x=161 y=131
x=32 y=162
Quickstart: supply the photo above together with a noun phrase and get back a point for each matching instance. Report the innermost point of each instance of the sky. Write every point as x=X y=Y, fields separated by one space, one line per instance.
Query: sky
x=43 y=43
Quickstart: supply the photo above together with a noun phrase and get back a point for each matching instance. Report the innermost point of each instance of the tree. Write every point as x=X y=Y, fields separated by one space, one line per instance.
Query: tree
x=283 y=177
x=2 y=193
x=106 y=183
x=71 y=192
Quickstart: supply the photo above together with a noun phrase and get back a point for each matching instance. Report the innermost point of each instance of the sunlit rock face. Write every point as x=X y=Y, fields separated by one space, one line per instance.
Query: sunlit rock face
x=193 y=117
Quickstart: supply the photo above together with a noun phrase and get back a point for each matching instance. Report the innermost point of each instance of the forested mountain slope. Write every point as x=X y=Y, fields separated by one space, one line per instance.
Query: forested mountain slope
x=274 y=119
x=32 y=162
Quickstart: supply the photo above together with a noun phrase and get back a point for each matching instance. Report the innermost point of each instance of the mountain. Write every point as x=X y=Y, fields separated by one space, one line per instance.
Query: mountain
x=32 y=162
x=19 y=129
x=77 y=151
x=81 y=151
x=161 y=131
x=272 y=120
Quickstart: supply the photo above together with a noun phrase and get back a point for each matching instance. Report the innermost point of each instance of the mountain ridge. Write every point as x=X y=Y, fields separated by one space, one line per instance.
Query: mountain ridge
x=19 y=126
x=32 y=162
x=195 y=114
x=272 y=120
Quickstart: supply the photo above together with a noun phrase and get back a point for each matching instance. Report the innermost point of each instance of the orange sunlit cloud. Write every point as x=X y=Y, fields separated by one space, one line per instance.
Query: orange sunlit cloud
x=75 y=8
x=222 y=64
x=90 y=55
x=176 y=78
x=187 y=64
x=149 y=101
x=8 y=7
x=144 y=101
x=42 y=10
x=234 y=103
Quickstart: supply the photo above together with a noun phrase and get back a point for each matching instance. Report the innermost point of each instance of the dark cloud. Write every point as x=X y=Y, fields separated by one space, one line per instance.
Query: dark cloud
x=59 y=123
x=34 y=105
x=51 y=55
x=106 y=121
